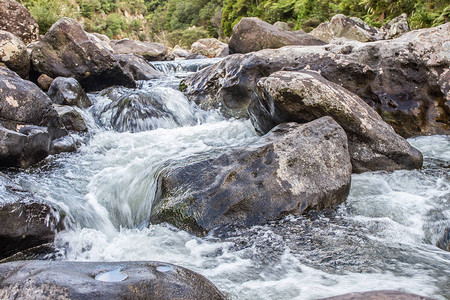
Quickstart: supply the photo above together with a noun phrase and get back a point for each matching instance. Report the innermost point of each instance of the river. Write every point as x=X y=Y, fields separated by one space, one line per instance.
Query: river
x=383 y=237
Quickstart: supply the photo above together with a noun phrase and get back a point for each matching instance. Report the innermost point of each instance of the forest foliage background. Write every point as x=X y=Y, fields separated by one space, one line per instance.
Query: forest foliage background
x=175 y=22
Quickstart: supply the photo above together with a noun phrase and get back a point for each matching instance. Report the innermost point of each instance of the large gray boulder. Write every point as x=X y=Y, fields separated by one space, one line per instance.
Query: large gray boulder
x=305 y=96
x=87 y=280
x=150 y=51
x=28 y=122
x=405 y=79
x=68 y=91
x=67 y=50
x=137 y=66
x=341 y=26
x=15 y=18
x=14 y=54
x=25 y=221
x=396 y=27
x=253 y=34
x=379 y=295
x=292 y=169
x=210 y=47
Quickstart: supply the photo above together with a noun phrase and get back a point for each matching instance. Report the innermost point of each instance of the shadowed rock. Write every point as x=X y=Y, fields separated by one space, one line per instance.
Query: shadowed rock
x=292 y=169
x=138 y=67
x=67 y=50
x=305 y=96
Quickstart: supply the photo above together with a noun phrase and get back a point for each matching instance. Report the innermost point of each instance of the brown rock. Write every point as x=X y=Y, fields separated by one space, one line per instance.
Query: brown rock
x=16 y=19
x=44 y=82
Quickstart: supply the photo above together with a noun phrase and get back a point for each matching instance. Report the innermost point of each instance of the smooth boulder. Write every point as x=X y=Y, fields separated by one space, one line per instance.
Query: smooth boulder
x=150 y=51
x=210 y=47
x=304 y=96
x=68 y=91
x=67 y=50
x=138 y=67
x=25 y=221
x=405 y=79
x=85 y=280
x=14 y=54
x=379 y=295
x=253 y=34
x=15 y=18
x=341 y=26
x=292 y=169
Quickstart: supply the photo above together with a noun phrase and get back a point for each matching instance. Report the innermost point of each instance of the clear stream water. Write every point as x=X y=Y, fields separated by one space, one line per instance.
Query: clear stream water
x=383 y=237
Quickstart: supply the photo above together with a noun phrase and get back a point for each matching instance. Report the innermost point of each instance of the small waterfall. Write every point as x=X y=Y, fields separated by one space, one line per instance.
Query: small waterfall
x=184 y=67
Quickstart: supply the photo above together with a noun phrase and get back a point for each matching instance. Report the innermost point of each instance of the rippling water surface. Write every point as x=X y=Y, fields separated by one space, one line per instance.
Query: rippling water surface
x=383 y=237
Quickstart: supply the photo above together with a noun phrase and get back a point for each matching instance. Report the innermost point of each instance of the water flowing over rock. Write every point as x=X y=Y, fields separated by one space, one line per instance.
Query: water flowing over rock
x=304 y=96
x=77 y=280
x=292 y=169
x=68 y=91
x=210 y=48
x=13 y=54
x=403 y=79
x=137 y=66
x=344 y=27
x=67 y=50
x=150 y=51
x=15 y=18
x=379 y=295
x=396 y=27
x=25 y=221
x=253 y=34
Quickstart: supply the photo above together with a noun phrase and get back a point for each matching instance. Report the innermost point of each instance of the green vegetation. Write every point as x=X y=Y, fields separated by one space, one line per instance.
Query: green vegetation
x=182 y=22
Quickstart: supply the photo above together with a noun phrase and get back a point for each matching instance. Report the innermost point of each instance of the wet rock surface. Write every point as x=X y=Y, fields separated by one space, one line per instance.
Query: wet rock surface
x=71 y=118
x=403 y=79
x=67 y=50
x=253 y=34
x=76 y=280
x=68 y=91
x=25 y=221
x=15 y=18
x=137 y=66
x=291 y=170
x=13 y=54
x=305 y=95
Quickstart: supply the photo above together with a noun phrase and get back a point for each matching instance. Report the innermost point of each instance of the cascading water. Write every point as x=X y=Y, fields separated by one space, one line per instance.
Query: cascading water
x=383 y=237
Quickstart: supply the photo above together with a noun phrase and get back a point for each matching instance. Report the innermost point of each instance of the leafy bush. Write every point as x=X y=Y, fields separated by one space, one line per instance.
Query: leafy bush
x=186 y=37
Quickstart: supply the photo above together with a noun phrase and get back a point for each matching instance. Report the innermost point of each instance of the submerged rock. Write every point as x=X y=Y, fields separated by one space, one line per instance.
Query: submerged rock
x=292 y=169
x=444 y=241
x=253 y=34
x=305 y=96
x=68 y=91
x=344 y=27
x=67 y=50
x=15 y=18
x=84 y=280
x=14 y=54
x=379 y=295
x=403 y=79
x=210 y=47
x=25 y=221
x=150 y=51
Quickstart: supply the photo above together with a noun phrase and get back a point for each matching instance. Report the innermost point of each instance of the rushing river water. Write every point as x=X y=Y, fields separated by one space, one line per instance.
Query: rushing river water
x=383 y=237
